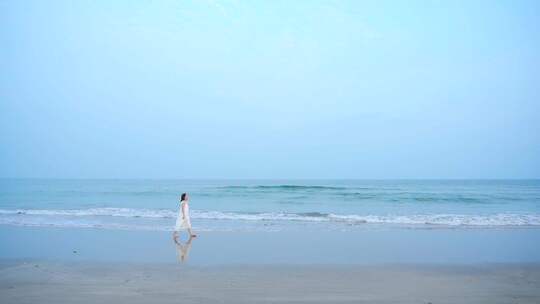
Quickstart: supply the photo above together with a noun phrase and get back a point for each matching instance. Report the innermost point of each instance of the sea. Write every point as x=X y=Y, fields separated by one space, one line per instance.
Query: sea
x=271 y=205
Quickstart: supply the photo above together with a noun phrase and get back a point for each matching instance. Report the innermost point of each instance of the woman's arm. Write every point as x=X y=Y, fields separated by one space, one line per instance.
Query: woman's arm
x=183 y=211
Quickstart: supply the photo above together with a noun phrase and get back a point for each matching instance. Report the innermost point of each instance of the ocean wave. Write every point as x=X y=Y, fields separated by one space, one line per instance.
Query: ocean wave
x=157 y=192
x=493 y=220
x=285 y=187
x=500 y=219
x=119 y=212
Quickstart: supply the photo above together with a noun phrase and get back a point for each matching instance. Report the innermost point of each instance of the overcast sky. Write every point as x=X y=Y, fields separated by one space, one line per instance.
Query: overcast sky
x=270 y=89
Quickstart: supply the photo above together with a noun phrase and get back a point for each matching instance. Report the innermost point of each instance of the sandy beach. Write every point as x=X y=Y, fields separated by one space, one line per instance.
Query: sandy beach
x=47 y=282
x=39 y=265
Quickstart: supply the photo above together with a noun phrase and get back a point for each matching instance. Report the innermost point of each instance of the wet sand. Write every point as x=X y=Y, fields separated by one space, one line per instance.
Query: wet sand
x=93 y=282
x=361 y=247
x=39 y=265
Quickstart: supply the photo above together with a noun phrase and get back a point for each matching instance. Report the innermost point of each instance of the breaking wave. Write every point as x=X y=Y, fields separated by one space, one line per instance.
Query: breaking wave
x=74 y=217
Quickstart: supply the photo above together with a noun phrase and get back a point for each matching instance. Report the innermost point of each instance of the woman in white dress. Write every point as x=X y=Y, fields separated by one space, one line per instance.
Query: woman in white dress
x=183 y=221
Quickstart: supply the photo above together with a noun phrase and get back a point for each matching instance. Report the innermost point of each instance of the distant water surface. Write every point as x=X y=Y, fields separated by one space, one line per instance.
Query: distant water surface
x=273 y=205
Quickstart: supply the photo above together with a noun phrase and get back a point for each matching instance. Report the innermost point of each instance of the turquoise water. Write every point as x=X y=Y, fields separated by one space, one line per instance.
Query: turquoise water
x=223 y=205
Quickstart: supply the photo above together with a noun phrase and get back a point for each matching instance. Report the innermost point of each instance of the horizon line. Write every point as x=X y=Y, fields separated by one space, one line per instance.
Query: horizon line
x=275 y=179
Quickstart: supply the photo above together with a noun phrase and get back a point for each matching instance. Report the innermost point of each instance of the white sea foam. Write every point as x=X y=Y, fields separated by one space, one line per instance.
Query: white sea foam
x=500 y=219
x=97 y=217
x=120 y=212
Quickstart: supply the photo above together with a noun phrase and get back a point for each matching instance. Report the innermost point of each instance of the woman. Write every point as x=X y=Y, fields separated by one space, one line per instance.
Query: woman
x=183 y=221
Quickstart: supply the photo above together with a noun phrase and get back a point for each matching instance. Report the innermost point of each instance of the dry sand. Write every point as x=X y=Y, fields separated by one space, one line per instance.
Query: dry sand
x=47 y=282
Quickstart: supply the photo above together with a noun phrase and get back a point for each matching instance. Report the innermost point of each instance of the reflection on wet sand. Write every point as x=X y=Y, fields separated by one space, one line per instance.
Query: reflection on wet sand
x=182 y=250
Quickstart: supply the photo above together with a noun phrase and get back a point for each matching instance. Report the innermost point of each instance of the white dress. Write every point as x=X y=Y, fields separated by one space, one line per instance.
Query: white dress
x=185 y=223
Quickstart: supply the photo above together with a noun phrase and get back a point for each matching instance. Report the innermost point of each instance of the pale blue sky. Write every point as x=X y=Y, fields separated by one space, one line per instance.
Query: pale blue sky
x=270 y=89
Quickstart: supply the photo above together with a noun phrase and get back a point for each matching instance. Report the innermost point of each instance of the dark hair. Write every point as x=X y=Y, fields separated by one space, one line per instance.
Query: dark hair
x=183 y=196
